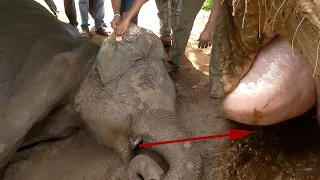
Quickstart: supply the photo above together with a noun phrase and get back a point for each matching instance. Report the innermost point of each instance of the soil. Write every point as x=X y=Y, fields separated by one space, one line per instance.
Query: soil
x=286 y=151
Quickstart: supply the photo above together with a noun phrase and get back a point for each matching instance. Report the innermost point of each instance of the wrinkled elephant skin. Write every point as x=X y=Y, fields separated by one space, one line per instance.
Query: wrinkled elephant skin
x=129 y=97
x=43 y=62
x=69 y=159
x=50 y=81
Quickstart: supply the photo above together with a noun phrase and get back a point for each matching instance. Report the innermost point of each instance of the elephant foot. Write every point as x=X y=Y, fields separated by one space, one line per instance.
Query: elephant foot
x=279 y=86
x=145 y=167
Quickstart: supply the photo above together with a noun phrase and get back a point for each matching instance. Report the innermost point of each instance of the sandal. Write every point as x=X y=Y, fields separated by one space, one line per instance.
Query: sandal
x=101 y=31
x=86 y=33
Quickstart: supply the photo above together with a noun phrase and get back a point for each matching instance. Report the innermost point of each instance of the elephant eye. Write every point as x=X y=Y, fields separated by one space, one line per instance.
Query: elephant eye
x=150 y=76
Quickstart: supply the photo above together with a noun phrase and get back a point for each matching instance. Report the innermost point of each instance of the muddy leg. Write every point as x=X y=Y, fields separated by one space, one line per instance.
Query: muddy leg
x=60 y=123
x=36 y=95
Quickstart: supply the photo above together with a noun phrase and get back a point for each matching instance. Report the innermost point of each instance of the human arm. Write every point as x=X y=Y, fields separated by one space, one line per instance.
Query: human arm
x=116 y=5
x=124 y=24
x=205 y=39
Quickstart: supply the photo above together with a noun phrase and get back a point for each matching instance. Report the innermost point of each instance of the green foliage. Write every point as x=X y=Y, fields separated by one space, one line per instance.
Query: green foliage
x=207 y=5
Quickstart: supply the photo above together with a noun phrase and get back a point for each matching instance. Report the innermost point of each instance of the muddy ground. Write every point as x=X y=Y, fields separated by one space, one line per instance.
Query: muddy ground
x=288 y=151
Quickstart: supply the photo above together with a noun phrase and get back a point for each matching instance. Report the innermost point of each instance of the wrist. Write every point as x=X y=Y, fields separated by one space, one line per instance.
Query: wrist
x=126 y=19
x=117 y=15
x=207 y=30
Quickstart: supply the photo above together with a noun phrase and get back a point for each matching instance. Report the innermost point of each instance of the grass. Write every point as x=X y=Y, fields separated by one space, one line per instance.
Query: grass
x=207 y=5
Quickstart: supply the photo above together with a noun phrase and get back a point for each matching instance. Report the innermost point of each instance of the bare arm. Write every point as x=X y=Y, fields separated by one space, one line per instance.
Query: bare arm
x=214 y=15
x=123 y=26
x=206 y=36
x=135 y=8
x=116 y=4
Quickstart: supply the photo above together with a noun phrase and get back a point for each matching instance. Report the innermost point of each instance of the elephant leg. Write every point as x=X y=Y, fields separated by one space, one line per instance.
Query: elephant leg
x=35 y=95
x=153 y=155
x=60 y=123
x=146 y=167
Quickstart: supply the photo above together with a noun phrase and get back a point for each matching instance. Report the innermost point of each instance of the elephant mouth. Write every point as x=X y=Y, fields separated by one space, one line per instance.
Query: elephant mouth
x=279 y=86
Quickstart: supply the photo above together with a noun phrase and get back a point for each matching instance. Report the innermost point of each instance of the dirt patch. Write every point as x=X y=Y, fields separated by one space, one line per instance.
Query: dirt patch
x=78 y=157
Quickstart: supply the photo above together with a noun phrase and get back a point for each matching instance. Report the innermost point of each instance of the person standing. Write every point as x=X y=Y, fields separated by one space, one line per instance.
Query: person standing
x=70 y=10
x=99 y=12
x=168 y=13
x=181 y=33
x=190 y=9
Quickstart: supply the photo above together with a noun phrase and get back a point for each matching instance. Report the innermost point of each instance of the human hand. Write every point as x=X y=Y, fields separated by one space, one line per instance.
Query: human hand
x=205 y=39
x=115 y=22
x=122 y=27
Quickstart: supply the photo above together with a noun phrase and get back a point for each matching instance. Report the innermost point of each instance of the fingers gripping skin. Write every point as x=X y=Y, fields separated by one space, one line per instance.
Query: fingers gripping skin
x=146 y=167
x=116 y=20
x=38 y=94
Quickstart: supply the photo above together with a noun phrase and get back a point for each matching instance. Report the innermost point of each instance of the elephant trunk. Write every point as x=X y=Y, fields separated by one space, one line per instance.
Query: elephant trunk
x=183 y=158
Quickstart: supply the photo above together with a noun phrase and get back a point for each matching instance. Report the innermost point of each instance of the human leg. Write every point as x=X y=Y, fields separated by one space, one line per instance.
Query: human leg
x=99 y=12
x=181 y=33
x=70 y=10
x=164 y=18
x=84 y=11
x=52 y=6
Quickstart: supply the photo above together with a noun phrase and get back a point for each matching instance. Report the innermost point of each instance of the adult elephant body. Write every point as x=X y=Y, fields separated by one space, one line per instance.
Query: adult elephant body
x=49 y=76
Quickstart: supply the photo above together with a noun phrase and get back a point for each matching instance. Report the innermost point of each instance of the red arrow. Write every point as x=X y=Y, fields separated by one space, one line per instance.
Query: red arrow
x=233 y=134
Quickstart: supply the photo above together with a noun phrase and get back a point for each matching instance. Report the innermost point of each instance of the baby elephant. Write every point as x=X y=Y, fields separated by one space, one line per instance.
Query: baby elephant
x=128 y=97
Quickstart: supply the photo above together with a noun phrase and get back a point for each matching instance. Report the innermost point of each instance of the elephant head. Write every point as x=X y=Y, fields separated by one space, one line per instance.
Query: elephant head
x=130 y=98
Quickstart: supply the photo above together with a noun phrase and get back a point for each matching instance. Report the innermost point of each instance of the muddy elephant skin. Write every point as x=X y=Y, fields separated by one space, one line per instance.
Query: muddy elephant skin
x=69 y=159
x=129 y=97
x=49 y=75
x=43 y=61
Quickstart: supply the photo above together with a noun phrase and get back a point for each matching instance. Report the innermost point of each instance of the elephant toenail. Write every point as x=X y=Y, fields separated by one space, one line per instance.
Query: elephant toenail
x=189 y=165
x=187 y=145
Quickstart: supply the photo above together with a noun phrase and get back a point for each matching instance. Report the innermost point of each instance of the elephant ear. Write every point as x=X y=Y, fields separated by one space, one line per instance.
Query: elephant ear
x=116 y=57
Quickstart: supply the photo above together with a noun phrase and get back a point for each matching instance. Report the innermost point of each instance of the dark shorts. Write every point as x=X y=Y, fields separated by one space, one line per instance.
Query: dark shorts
x=125 y=6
